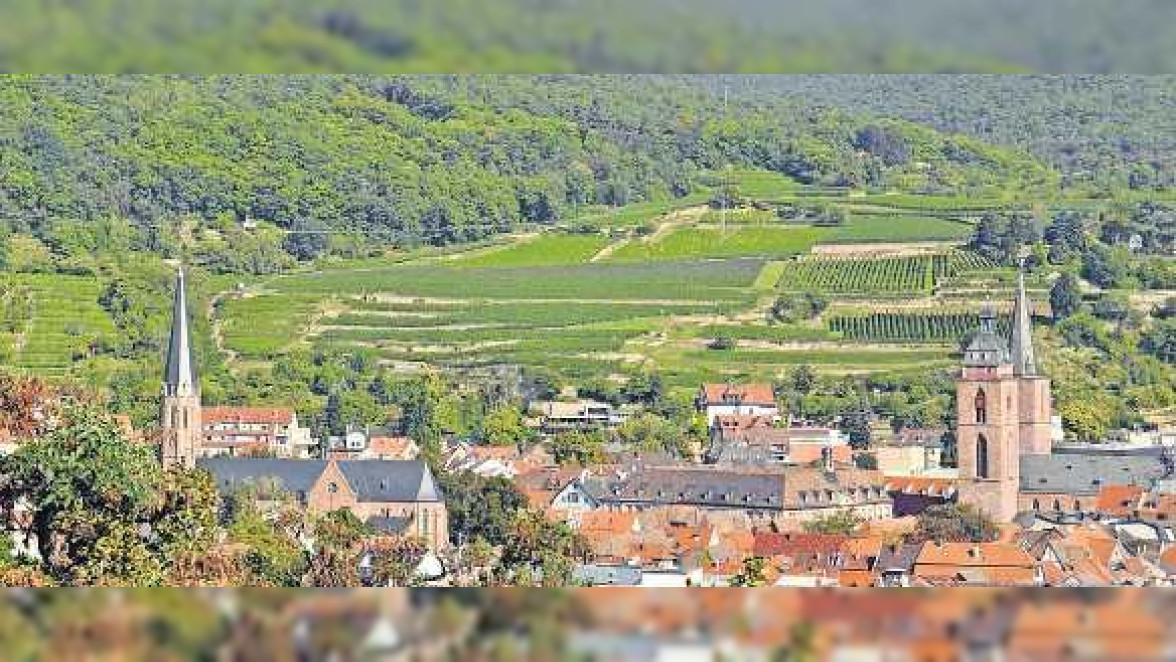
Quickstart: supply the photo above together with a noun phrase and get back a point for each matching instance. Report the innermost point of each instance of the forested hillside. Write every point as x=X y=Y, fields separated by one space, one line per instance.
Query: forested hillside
x=406 y=161
x=587 y=35
x=1103 y=132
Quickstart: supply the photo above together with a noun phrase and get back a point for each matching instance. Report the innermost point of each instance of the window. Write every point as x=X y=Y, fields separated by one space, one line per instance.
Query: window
x=981 y=457
x=1036 y=504
x=981 y=407
x=1057 y=506
x=332 y=487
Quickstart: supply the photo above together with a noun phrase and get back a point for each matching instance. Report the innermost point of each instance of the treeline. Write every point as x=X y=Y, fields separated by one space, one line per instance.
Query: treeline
x=220 y=169
x=1104 y=133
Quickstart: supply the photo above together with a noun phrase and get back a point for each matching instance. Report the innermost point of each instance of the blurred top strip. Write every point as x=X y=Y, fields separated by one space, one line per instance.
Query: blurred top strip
x=672 y=36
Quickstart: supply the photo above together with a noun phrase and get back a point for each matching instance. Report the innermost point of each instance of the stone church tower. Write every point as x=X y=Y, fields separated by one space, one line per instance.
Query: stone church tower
x=179 y=418
x=1002 y=412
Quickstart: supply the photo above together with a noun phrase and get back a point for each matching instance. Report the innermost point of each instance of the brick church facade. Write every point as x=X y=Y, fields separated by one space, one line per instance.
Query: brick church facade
x=1003 y=412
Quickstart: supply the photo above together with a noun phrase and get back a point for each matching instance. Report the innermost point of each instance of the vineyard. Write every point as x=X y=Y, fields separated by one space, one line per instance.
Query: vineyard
x=910 y=274
x=910 y=326
x=49 y=322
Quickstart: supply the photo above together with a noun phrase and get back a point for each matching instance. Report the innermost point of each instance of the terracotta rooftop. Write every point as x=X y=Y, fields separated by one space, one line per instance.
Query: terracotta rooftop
x=238 y=415
x=769 y=543
x=921 y=485
x=1118 y=500
x=744 y=394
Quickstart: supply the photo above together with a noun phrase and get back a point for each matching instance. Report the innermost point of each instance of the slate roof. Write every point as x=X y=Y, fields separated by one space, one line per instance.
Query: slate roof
x=372 y=480
x=898 y=557
x=699 y=487
x=232 y=473
x=179 y=374
x=1085 y=474
x=986 y=347
x=390 y=480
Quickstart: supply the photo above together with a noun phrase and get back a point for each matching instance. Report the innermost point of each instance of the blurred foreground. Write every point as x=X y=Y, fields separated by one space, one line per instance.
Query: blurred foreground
x=586 y=624
x=587 y=35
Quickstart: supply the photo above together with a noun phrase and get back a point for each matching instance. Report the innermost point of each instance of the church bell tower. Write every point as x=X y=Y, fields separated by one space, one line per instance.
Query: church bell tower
x=179 y=418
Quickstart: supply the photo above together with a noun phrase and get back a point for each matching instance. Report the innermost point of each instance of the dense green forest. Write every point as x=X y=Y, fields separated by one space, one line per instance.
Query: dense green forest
x=430 y=160
x=1102 y=132
x=587 y=35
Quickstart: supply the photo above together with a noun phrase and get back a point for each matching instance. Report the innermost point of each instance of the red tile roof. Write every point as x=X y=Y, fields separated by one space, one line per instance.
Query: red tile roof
x=745 y=394
x=237 y=415
x=993 y=563
x=925 y=486
x=792 y=544
x=1118 y=500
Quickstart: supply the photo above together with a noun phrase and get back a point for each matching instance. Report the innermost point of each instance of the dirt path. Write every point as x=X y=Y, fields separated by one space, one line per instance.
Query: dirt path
x=898 y=249
x=218 y=331
x=609 y=249
x=665 y=225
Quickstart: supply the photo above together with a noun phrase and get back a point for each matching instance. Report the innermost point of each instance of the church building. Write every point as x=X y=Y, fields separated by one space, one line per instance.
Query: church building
x=395 y=496
x=1003 y=412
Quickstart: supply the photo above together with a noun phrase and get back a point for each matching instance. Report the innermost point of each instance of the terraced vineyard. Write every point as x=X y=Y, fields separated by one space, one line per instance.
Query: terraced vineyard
x=883 y=275
x=909 y=326
x=49 y=322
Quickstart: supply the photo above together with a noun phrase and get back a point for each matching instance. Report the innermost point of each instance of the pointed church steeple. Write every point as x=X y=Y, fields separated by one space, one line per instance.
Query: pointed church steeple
x=1021 y=344
x=180 y=414
x=179 y=376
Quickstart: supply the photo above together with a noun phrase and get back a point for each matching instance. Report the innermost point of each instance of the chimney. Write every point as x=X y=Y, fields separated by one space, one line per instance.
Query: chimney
x=827 y=459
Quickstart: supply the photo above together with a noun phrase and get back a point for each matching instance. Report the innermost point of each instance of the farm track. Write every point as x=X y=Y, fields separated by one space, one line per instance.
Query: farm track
x=667 y=224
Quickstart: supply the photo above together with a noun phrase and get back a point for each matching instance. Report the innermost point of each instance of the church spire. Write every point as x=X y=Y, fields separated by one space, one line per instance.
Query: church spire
x=1021 y=345
x=179 y=376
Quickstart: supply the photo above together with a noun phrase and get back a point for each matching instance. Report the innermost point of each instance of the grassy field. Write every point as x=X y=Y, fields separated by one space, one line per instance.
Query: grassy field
x=897 y=228
x=541 y=251
x=698 y=281
x=697 y=243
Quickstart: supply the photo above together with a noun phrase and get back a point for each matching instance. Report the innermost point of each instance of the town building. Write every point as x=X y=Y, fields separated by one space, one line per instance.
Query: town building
x=784 y=496
x=583 y=415
x=395 y=496
x=254 y=431
x=760 y=440
x=372 y=443
x=910 y=452
x=737 y=400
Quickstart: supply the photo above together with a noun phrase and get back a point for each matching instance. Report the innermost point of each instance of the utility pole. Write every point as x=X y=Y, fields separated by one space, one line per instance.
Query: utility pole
x=726 y=173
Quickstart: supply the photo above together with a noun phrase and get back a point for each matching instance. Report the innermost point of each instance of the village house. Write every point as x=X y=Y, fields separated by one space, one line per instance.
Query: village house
x=372 y=443
x=584 y=415
x=975 y=564
x=910 y=452
x=395 y=496
x=759 y=440
x=256 y=431
x=737 y=400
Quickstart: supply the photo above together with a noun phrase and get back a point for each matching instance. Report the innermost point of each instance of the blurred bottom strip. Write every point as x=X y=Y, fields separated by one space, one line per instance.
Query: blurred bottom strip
x=602 y=624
